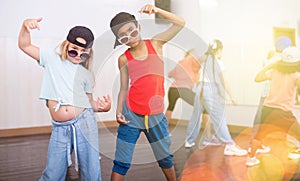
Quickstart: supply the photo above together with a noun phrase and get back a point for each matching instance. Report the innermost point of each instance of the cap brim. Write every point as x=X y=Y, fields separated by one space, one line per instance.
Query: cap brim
x=288 y=64
x=288 y=67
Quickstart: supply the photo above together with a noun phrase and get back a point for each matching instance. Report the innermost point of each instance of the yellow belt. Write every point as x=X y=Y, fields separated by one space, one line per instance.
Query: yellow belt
x=147 y=123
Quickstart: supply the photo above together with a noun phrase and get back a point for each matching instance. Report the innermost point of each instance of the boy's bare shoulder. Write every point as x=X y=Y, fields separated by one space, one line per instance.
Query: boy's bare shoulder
x=122 y=60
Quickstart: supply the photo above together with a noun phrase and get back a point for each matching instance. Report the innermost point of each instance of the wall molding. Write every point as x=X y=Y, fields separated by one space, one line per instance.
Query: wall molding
x=103 y=124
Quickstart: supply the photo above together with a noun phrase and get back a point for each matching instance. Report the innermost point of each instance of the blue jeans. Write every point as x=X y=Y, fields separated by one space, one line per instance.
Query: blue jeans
x=158 y=137
x=81 y=135
x=214 y=104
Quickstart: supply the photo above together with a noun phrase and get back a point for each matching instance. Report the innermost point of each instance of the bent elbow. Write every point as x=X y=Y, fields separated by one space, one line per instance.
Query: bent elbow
x=259 y=79
x=182 y=23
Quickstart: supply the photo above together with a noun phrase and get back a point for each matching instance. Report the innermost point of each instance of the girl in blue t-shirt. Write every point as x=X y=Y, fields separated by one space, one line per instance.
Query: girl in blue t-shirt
x=67 y=88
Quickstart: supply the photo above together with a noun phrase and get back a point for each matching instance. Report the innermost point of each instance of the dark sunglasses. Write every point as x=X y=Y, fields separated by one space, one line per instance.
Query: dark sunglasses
x=125 y=39
x=74 y=53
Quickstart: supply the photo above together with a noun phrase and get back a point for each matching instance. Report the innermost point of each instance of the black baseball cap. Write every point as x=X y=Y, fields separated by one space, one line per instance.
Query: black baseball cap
x=81 y=32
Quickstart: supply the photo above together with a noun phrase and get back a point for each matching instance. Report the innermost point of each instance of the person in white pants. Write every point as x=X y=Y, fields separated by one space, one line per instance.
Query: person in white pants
x=210 y=96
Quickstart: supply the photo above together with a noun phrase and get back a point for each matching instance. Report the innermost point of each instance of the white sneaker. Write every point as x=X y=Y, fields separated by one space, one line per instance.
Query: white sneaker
x=234 y=150
x=294 y=154
x=251 y=161
x=188 y=145
x=263 y=149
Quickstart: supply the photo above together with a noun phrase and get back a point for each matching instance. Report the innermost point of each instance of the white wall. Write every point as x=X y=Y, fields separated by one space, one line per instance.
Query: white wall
x=246 y=30
x=245 y=27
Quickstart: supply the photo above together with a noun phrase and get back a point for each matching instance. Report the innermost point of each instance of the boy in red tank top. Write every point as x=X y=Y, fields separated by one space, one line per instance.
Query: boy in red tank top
x=141 y=96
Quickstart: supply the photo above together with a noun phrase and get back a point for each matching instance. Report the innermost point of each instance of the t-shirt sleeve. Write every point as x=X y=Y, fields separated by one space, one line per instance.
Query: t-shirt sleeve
x=45 y=56
x=89 y=84
x=172 y=72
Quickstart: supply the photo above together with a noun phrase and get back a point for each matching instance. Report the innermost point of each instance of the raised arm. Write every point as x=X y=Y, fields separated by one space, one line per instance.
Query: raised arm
x=177 y=23
x=25 y=38
x=263 y=75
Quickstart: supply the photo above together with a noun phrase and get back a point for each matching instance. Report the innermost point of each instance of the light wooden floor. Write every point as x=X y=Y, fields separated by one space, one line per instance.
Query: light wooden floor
x=23 y=158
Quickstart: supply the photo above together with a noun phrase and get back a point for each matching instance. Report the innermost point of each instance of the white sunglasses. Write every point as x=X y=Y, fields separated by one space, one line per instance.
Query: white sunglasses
x=133 y=34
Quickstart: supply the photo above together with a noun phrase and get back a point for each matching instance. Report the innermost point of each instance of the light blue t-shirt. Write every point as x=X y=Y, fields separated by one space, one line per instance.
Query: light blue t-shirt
x=65 y=81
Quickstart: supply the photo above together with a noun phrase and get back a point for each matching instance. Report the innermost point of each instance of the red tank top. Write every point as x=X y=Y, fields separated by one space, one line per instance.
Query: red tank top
x=146 y=92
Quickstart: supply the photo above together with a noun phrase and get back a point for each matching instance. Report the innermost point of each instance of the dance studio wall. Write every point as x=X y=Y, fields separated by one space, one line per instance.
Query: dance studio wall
x=245 y=27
